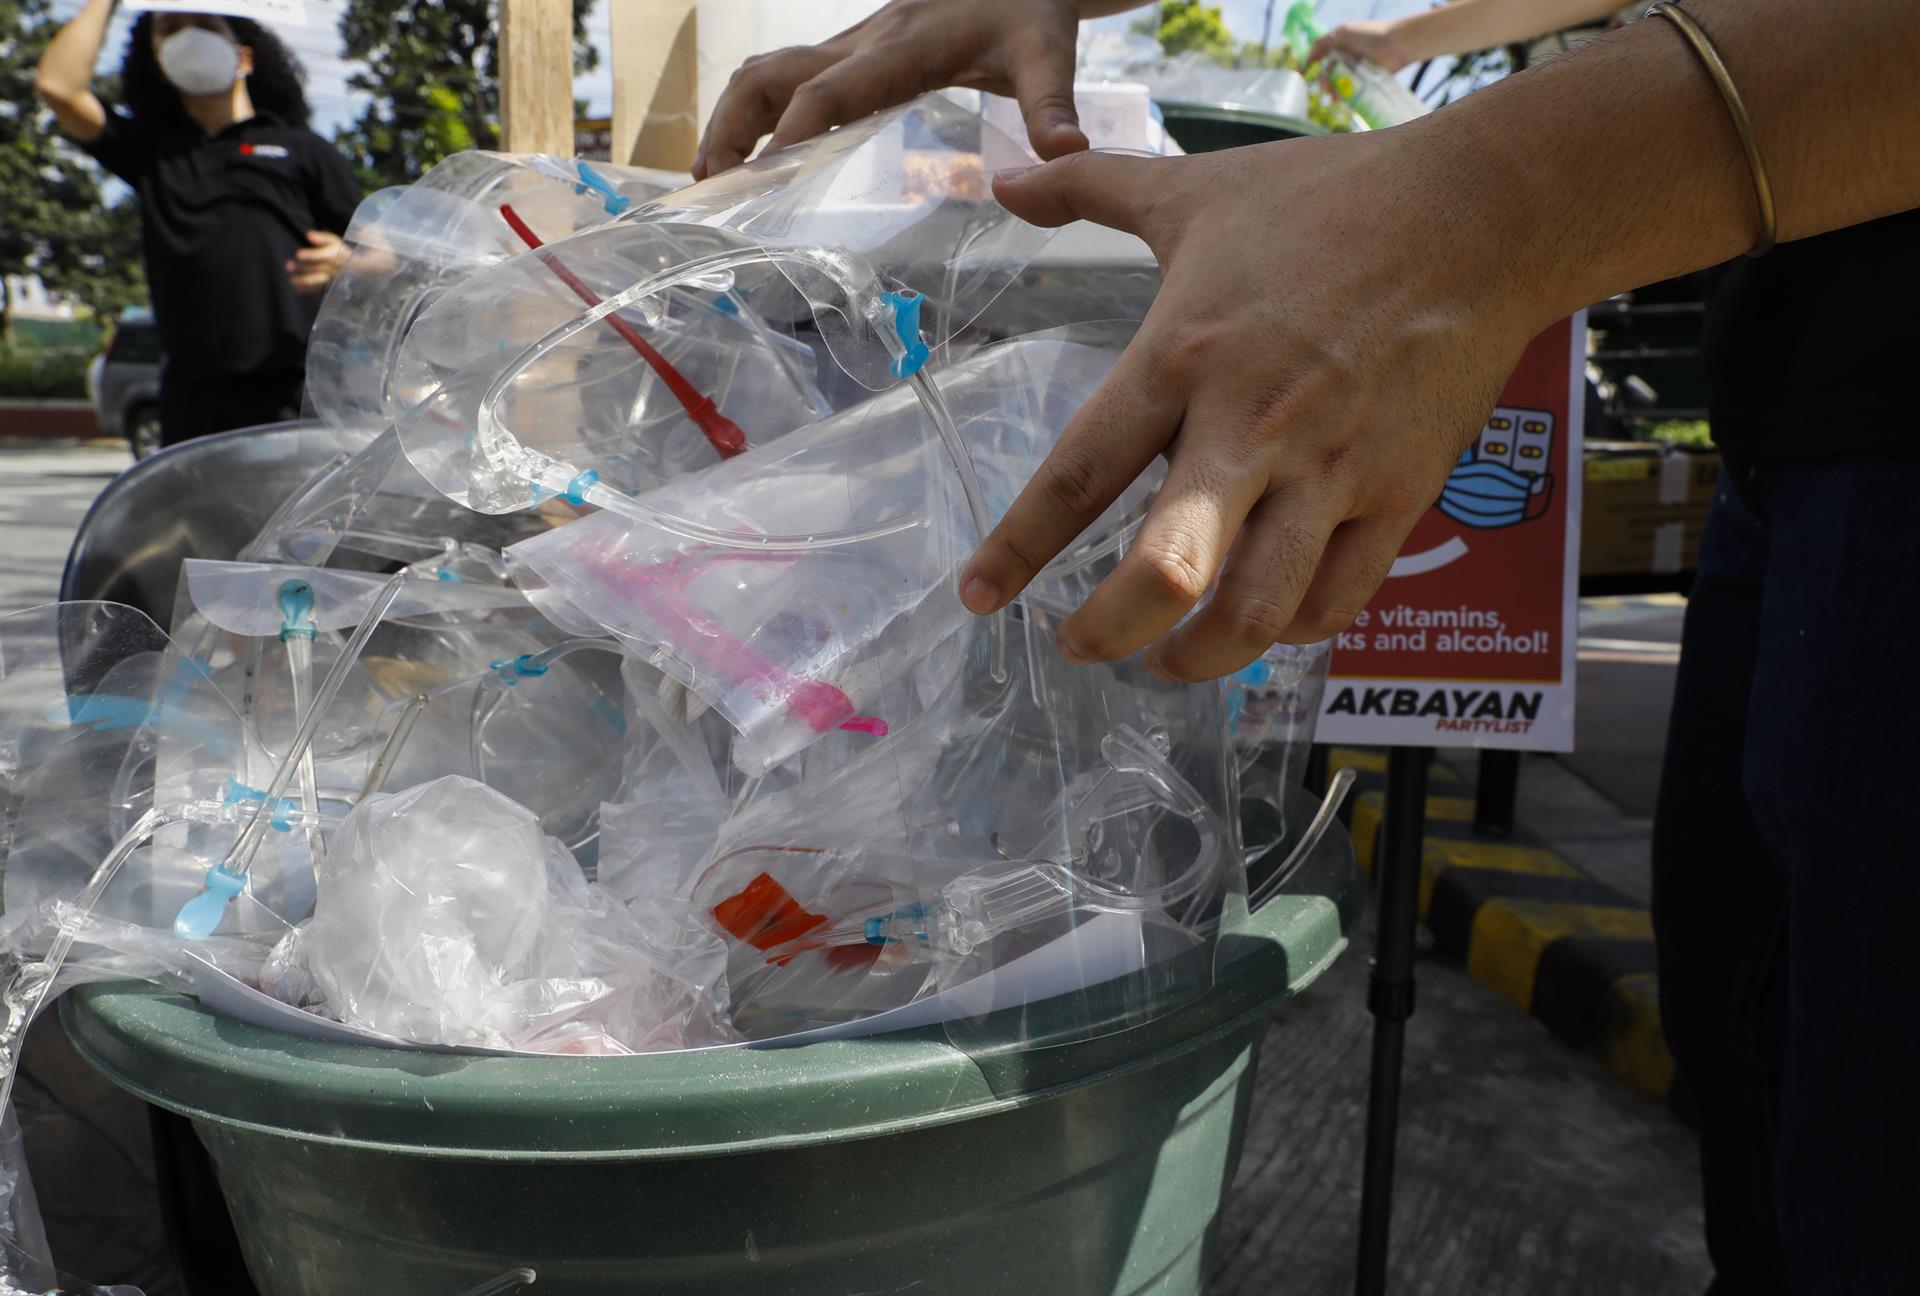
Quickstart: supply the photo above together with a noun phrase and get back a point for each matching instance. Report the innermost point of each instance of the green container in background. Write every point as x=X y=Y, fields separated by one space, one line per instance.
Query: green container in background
x=1202 y=128
x=893 y=1163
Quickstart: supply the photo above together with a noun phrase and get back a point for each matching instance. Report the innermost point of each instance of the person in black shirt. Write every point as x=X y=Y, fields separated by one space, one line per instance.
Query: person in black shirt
x=241 y=205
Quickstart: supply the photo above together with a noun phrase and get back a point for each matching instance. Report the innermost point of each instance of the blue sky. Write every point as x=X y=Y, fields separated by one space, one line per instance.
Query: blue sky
x=319 y=48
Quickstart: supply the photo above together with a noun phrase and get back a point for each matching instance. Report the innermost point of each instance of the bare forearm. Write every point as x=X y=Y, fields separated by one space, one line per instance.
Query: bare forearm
x=1620 y=165
x=64 y=77
x=67 y=65
x=1482 y=24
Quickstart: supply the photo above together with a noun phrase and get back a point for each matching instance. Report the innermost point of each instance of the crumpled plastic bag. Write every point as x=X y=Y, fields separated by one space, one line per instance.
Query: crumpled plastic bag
x=445 y=916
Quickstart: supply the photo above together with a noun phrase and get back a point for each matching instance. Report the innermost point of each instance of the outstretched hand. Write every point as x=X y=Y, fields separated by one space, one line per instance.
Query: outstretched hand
x=1375 y=40
x=313 y=267
x=1309 y=373
x=1020 y=48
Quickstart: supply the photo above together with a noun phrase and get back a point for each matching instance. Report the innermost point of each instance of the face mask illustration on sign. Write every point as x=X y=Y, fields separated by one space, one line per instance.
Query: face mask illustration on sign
x=1502 y=479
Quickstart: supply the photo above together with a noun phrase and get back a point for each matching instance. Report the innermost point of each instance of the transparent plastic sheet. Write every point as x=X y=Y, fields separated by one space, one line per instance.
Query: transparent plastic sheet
x=885 y=229
x=1306 y=847
x=525 y=383
x=462 y=646
x=110 y=948
x=90 y=694
x=408 y=245
x=906 y=194
x=249 y=599
x=371 y=510
x=1273 y=708
x=1114 y=918
x=1030 y=861
x=546 y=728
x=86 y=692
x=233 y=875
x=661 y=824
x=446 y=917
x=23 y=1234
x=791 y=587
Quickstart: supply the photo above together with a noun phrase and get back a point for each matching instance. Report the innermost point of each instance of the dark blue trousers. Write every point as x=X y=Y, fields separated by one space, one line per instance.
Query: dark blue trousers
x=1787 y=876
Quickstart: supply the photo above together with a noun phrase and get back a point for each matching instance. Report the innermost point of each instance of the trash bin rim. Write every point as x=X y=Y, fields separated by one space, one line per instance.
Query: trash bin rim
x=757 y=1144
x=170 y=1051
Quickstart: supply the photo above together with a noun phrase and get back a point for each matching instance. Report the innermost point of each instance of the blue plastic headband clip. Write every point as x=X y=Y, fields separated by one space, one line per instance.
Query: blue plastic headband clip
x=575 y=493
x=296 y=610
x=615 y=202
x=906 y=322
x=1251 y=676
x=200 y=916
x=512 y=670
x=278 y=817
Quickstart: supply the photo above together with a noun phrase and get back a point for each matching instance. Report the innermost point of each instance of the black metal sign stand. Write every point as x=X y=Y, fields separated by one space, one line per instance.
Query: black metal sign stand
x=1390 y=998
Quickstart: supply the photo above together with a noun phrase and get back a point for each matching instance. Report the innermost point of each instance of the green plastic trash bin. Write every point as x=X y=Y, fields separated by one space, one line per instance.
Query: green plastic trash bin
x=897 y=1163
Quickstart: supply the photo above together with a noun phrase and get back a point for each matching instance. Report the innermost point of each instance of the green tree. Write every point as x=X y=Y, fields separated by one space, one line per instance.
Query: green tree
x=100 y=265
x=432 y=67
x=1189 y=27
x=55 y=224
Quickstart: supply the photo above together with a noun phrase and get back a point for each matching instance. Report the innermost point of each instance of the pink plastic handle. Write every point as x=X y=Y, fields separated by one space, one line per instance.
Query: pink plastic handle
x=660 y=588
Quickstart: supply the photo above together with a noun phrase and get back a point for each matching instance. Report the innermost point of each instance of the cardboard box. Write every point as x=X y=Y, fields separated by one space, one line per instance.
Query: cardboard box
x=1644 y=507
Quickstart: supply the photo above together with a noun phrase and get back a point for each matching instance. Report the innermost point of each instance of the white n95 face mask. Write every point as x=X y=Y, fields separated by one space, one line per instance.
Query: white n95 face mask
x=199 y=62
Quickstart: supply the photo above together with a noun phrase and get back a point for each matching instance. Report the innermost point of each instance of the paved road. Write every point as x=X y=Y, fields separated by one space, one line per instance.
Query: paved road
x=1629 y=650
x=43 y=496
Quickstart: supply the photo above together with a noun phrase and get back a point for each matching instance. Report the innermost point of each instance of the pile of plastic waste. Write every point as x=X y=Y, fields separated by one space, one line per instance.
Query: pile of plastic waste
x=614 y=696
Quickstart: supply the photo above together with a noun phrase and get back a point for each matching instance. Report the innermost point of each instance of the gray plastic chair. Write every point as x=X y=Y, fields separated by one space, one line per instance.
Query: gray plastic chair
x=203 y=498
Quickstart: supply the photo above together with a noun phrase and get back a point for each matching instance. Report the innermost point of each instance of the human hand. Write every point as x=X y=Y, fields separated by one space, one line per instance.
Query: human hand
x=313 y=267
x=1020 y=48
x=1375 y=40
x=1328 y=338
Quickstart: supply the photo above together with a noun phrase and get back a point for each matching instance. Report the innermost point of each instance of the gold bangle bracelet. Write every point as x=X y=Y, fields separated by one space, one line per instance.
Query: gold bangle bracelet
x=1736 y=107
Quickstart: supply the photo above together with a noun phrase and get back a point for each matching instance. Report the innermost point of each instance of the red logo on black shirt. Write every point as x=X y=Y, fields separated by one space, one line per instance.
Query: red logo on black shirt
x=263 y=150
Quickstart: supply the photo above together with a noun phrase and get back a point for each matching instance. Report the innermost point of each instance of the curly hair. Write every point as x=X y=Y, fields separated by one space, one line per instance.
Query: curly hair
x=275 y=84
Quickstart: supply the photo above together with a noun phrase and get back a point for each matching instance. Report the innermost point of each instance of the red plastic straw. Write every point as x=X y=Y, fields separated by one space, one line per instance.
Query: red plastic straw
x=722 y=433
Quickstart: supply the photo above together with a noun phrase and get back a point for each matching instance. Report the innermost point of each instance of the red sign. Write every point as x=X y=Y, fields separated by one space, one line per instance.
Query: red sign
x=1470 y=642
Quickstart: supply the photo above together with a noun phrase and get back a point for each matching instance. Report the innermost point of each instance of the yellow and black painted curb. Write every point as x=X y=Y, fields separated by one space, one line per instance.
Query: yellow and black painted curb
x=1563 y=945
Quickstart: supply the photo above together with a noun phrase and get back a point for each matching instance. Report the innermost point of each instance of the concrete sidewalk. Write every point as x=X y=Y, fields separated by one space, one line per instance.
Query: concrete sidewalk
x=1555 y=916
x=43 y=496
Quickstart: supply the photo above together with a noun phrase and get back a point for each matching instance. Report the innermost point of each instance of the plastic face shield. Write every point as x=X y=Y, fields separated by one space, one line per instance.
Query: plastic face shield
x=97 y=709
x=882 y=239
x=796 y=587
x=529 y=378
x=1273 y=707
x=408 y=245
x=545 y=727
x=370 y=510
x=268 y=633
x=906 y=193
x=1024 y=875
